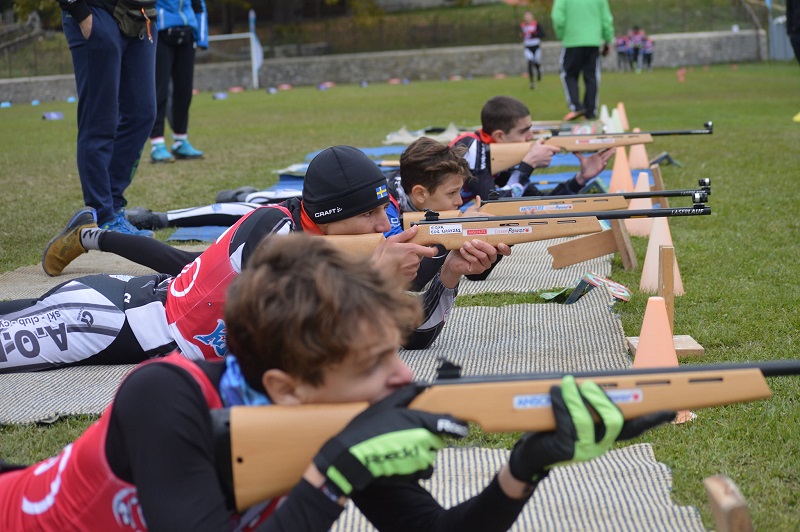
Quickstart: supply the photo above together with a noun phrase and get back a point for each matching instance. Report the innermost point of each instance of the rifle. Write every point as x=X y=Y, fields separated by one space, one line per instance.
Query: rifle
x=566 y=203
x=271 y=446
x=453 y=232
x=504 y=155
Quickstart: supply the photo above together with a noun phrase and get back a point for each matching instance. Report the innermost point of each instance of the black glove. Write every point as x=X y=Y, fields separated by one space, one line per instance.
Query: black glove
x=604 y=51
x=577 y=437
x=386 y=440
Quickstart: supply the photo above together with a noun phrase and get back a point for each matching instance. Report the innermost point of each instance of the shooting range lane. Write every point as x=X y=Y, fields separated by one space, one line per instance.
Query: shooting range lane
x=528 y=338
x=625 y=489
x=47 y=395
x=529 y=268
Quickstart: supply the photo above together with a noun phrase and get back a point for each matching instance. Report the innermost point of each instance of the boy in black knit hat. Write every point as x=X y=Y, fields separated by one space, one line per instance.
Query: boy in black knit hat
x=133 y=319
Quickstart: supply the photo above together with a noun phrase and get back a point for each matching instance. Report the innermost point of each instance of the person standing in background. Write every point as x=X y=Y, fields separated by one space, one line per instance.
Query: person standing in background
x=647 y=54
x=582 y=26
x=637 y=38
x=793 y=31
x=113 y=47
x=182 y=27
x=793 y=26
x=621 y=46
x=532 y=34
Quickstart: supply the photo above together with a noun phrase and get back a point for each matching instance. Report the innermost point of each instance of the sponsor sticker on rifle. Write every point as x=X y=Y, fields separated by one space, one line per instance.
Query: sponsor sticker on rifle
x=633 y=395
x=498 y=231
x=528 y=209
x=542 y=400
x=595 y=141
x=447 y=229
x=537 y=400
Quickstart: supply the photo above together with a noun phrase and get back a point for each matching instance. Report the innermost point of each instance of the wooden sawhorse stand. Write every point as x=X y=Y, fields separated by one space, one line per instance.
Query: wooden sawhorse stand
x=685 y=345
x=617 y=240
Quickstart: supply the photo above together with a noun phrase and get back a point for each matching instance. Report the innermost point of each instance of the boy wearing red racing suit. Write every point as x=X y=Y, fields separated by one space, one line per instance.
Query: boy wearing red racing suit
x=111 y=319
x=308 y=325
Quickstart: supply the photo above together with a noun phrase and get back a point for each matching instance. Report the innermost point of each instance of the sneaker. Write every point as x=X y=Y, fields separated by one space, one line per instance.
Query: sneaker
x=238 y=195
x=572 y=115
x=121 y=225
x=183 y=150
x=160 y=154
x=533 y=85
x=142 y=218
x=66 y=246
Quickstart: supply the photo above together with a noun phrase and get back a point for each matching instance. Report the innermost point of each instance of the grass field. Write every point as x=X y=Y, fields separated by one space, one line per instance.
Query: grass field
x=739 y=266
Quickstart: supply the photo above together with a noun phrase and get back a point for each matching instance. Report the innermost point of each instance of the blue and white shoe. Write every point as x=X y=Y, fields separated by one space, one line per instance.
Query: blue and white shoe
x=121 y=225
x=160 y=154
x=182 y=149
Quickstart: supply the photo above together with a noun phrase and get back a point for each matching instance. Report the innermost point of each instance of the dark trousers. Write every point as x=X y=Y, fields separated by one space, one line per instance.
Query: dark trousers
x=794 y=38
x=175 y=63
x=585 y=61
x=115 y=77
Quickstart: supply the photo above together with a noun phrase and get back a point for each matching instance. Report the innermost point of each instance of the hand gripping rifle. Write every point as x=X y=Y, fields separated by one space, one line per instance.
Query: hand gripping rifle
x=269 y=447
x=504 y=155
x=565 y=204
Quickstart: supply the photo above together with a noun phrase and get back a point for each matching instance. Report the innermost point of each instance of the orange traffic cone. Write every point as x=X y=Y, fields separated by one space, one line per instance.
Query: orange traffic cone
x=656 y=345
x=621 y=180
x=638 y=155
x=640 y=226
x=659 y=236
x=623 y=116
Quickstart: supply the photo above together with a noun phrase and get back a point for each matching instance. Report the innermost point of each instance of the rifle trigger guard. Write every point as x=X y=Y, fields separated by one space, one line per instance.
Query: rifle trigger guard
x=431 y=216
x=447 y=370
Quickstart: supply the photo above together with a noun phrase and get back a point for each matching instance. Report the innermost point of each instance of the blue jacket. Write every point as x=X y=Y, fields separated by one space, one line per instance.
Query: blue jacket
x=191 y=13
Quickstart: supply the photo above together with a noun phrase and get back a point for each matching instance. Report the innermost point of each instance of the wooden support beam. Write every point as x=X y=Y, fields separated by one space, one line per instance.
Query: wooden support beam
x=666 y=280
x=596 y=245
x=658 y=184
x=685 y=345
x=728 y=505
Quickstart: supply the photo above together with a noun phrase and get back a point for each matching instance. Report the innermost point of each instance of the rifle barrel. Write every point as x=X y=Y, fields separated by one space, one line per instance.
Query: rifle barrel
x=626 y=195
x=709 y=130
x=777 y=368
x=600 y=215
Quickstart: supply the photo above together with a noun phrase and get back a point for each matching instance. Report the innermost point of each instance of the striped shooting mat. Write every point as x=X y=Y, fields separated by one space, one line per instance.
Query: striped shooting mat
x=530 y=268
x=545 y=337
x=625 y=489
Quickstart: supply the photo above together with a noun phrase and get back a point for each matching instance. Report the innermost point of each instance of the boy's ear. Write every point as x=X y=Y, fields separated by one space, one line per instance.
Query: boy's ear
x=498 y=135
x=281 y=387
x=419 y=195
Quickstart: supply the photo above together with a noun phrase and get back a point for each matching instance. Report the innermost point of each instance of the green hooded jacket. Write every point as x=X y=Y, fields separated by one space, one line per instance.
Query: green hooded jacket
x=582 y=22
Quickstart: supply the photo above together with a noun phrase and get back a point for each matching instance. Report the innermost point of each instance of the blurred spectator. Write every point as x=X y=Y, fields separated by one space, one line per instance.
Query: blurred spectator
x=532 y=33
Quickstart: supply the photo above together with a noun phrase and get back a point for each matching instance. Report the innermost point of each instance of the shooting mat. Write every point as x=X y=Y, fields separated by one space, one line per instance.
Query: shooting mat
x=529 y=338
x=544 y=337
x=32 y=282
x=530 y=268
x=625 y=489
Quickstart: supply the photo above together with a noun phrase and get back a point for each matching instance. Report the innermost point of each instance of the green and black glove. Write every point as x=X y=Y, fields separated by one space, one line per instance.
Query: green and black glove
x=577 y=437
x=387 y=440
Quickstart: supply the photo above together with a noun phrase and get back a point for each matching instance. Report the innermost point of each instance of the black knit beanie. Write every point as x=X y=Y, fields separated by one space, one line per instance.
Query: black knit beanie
x=342 y=182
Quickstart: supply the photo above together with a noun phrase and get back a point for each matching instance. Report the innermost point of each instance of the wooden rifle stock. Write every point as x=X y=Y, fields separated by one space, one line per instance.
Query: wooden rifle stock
x=271 y=446
x=453 y=232
x=504 y=155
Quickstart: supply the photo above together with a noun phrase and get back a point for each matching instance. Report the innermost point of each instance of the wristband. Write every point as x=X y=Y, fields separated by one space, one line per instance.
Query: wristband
x=332 y=492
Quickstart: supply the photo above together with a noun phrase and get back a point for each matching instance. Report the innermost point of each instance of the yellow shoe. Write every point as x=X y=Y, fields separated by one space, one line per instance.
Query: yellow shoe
x=66 y=245
x=796 y=118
